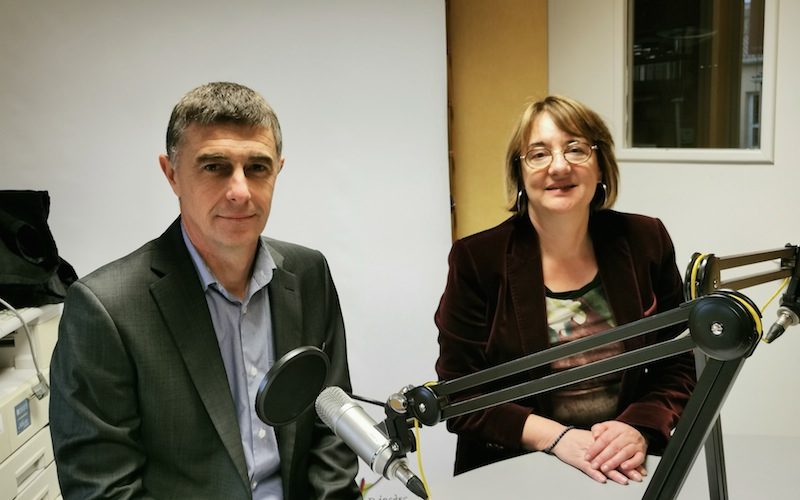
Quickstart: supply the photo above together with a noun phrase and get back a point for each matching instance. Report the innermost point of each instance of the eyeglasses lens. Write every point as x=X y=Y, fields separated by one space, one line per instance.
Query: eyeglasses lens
x=575 y=153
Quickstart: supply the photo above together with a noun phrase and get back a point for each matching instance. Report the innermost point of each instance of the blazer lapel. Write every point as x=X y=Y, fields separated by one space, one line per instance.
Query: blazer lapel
x=184 y=308
x=286 y=310
x=287 y=331
x=617 y=272
x=525 y=281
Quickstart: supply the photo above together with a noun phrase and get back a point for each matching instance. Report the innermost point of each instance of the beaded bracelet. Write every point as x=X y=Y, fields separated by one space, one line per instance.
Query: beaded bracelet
x=549 y=449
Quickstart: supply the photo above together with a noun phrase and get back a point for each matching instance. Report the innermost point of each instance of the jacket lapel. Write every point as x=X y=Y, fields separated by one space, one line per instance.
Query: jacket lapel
x=287 y=329
x=525 y=281
x=183 y=306
x=287 y=313
x=617 y=272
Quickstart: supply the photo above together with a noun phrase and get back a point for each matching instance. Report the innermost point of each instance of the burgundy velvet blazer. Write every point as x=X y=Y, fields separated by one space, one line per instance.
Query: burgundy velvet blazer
x=493 y=311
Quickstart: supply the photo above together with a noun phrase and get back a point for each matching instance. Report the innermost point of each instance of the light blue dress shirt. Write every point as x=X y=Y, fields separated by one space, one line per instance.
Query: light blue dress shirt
x=244 y=335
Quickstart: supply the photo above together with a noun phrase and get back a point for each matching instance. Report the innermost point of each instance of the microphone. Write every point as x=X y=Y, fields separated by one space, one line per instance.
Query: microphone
x=786 y=318
x=362 y=435
x=787 y=312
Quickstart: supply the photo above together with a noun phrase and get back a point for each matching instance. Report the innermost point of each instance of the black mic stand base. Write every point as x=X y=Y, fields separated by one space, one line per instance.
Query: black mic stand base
x=695 y=425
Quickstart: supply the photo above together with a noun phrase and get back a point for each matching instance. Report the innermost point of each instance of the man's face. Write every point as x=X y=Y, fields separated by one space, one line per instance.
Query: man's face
x=224 y=179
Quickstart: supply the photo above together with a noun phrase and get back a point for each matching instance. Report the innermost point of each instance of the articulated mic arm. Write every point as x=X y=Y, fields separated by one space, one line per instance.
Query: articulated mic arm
x=721 y=324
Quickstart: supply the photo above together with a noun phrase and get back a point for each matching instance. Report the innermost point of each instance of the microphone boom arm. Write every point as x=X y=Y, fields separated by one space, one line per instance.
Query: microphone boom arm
x=431 y=404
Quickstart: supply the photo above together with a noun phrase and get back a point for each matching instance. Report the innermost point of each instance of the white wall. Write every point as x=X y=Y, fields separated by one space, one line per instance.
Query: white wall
x=360 y=88
x=724 y=209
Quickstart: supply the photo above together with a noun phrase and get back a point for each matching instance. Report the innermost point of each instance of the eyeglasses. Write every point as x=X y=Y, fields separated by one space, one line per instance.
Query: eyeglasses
x=574 y=153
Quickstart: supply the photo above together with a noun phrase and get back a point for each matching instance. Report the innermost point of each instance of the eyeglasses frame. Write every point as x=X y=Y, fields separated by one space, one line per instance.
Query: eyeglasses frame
x=592 y=148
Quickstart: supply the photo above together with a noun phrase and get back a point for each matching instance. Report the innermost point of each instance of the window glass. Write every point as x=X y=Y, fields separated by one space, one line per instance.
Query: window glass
x=696 y=73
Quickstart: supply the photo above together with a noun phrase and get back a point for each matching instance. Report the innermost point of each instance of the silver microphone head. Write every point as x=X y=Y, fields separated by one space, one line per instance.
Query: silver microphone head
x=786 y=318
x=356 y=428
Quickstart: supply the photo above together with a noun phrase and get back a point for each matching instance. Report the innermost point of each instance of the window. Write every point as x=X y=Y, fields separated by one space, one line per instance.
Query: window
x=699 y=84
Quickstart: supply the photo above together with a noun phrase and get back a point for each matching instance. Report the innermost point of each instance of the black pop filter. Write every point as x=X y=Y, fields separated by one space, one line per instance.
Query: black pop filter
x=292 y=385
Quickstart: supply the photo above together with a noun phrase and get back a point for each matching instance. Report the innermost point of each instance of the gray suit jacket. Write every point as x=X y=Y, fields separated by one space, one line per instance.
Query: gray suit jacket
x=140 y=404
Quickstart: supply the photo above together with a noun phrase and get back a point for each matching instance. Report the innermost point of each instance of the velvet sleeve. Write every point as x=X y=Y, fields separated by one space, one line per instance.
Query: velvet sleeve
x=464 y=319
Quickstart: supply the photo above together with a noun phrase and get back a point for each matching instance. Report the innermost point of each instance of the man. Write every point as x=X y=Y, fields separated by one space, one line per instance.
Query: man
x=160 y=354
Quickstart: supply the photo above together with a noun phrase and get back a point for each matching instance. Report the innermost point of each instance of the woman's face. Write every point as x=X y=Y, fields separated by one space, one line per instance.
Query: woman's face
x=561 y=187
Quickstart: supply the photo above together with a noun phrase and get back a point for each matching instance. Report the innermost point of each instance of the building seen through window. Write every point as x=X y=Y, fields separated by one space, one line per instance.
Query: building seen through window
x=696 y=69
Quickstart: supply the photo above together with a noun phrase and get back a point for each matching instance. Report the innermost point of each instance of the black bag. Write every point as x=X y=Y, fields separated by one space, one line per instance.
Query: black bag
x=31 y=272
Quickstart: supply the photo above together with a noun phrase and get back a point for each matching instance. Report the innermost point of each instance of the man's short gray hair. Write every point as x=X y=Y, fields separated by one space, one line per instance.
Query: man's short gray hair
x=220 y=102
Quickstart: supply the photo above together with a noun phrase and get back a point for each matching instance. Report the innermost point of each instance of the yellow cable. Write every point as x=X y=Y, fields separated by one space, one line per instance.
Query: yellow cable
x=430 y=383
x=783 y=285
x=695 y=267
x=419 y=458
x=769 y=301
x=755 y=314
x=365 y=487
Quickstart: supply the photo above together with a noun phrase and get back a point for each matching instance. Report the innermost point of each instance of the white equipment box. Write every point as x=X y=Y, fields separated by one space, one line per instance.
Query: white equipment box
x=27 y=469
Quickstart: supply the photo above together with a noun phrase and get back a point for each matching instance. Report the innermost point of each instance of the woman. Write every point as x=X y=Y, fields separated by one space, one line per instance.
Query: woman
x=563 y=267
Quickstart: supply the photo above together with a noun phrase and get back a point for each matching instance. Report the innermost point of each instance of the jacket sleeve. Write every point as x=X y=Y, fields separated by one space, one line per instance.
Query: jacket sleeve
x=332 y=466
x=665 y=386
x=464 y=319
x=94 y=418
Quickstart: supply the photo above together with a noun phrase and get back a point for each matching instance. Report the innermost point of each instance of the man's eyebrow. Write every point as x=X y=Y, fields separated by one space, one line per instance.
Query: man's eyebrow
x=210 y=157
x=220 y=157
x=261 y=159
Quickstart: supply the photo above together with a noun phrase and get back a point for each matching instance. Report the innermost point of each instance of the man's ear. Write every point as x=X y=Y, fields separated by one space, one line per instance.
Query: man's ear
x=169 y=172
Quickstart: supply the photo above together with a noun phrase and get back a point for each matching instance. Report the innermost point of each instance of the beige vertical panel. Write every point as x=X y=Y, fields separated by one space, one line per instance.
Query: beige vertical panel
x=498 y=62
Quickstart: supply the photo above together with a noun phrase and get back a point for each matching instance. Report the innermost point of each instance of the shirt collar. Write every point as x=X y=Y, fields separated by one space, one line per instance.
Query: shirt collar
x=262 y=270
